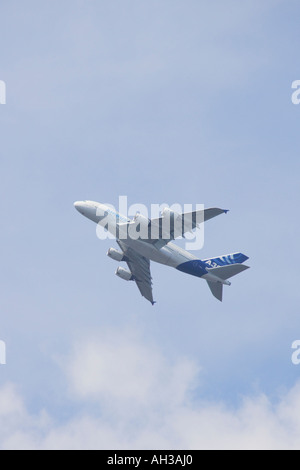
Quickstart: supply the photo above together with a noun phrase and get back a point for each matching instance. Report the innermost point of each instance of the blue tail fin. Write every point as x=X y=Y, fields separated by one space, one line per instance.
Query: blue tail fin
x=225 y=260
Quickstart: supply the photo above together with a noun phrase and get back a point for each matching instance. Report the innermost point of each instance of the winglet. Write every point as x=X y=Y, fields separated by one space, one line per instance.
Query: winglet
x=226 y=211
x=153 y=303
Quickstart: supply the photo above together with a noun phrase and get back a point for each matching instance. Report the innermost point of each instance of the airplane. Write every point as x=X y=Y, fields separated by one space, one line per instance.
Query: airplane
x=142 y=240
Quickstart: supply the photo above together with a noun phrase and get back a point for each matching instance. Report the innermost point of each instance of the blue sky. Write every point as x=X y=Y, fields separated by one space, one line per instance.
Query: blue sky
x=176 y=102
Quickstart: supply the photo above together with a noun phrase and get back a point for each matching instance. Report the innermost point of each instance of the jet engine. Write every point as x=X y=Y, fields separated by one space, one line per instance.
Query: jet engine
x=141 y=220
x=174 y=216
x=116 y=254
x=140 y=227
x=124 y=274
x=171 y=223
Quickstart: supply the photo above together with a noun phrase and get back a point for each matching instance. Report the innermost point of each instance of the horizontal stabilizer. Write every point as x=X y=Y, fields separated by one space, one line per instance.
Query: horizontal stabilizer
x=225 y=272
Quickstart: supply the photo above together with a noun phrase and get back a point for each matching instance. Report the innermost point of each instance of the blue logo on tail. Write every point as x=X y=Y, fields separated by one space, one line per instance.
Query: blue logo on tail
x=235 y=258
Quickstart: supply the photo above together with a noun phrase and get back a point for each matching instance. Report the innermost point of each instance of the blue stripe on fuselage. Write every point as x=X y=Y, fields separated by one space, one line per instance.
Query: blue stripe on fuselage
x=194 y=267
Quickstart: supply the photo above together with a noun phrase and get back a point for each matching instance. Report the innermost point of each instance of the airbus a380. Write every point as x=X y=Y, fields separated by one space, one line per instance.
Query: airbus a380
x=142 y=240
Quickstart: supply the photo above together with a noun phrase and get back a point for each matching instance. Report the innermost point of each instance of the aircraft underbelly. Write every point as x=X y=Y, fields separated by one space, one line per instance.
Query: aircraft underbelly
x=166 y=255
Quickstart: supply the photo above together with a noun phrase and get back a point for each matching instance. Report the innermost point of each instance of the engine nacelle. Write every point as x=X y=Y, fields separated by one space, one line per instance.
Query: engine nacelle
x=115 y=254
x=169 y=213
x=124 y=274
x=141 y=220
x=140 y=227
x=171 y=223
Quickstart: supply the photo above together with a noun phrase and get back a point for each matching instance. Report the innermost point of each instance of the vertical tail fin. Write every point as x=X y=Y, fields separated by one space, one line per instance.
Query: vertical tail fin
x=216 y=289
x=225 y=260
x=217 y=277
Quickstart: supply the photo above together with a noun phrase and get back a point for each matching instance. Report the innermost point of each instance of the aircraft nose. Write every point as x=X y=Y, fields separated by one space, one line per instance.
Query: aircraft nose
x=78 y=206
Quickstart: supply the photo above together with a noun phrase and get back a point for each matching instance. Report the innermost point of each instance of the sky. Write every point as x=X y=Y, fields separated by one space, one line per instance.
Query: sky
x=162 y=102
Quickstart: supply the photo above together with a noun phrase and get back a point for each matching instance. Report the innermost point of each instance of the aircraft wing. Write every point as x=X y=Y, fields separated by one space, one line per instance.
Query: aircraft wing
x=140 y=269
x=170 y=228
x=185 y=222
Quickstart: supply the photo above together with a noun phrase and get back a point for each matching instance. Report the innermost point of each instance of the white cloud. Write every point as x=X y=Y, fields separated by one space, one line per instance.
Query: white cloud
x=118 y=368
x=19 y=429
x=127 y=395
